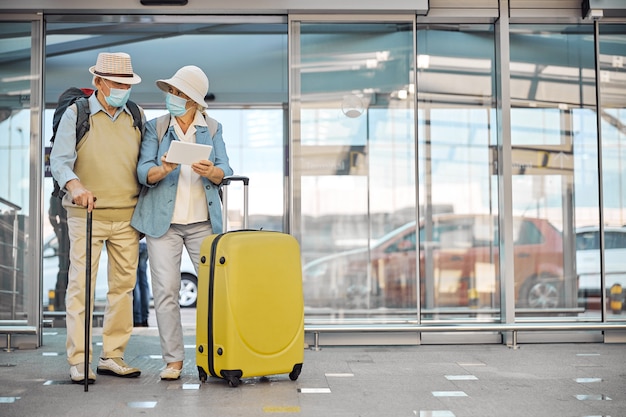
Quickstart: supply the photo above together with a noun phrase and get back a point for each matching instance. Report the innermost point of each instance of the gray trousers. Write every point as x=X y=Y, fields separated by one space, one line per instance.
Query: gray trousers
x=164 y=254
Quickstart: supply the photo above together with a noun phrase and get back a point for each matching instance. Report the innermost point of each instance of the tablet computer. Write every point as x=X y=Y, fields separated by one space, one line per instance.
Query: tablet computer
x=187 y=153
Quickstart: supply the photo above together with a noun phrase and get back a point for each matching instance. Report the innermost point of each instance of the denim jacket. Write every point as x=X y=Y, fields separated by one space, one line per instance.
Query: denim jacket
x=155 y=207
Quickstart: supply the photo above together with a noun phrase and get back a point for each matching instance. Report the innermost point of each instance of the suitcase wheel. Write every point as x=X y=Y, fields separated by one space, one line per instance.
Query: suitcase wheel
x=202 y=374
x=295 y=373
x=233 y=377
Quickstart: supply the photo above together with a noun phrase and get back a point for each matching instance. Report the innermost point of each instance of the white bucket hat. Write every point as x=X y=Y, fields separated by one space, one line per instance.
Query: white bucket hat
x=191 y=80
x=115 y=66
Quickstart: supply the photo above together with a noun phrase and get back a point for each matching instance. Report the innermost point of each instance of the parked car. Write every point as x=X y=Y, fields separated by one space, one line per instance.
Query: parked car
x=588 y=259
x=458 y=267
x=188 y=285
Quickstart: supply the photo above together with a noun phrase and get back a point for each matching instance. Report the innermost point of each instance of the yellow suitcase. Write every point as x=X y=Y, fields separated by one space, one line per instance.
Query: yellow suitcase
x=250 y=308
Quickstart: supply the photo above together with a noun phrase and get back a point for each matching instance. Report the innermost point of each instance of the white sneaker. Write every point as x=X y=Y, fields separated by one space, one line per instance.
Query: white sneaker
x=116 y=367
x=77 y=374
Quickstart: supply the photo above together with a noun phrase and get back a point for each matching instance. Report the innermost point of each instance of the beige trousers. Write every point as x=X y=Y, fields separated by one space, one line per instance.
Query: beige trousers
x=122 y=246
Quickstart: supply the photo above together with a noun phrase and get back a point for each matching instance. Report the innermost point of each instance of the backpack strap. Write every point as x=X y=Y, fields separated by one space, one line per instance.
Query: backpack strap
x=82 y=118
x=211 y=123
x=162 y=124
x=136 y=113
x=81 y=106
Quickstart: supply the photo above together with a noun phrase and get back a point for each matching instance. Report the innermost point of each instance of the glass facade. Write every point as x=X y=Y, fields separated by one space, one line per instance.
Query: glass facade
x=17 y=75
x=354 y=163
x=377 y=142
x=553 y=136
x=458 y=194
x=609 y=240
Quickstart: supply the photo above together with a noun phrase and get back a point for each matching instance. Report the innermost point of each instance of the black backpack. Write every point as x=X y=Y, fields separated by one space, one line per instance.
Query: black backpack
x=79 y=96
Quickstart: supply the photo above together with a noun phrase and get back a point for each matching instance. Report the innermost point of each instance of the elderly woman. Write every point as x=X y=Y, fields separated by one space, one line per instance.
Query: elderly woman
x=179 y=204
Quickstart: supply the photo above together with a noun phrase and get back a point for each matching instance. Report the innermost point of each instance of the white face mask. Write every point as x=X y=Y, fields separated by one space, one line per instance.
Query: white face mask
x=117 y=97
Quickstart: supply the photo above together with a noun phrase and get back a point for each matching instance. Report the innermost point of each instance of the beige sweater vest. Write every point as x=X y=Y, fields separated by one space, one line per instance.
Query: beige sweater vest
x=106 y=165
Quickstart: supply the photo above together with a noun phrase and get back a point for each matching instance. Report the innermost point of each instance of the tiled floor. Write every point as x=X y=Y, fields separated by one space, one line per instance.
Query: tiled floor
x=428 y=381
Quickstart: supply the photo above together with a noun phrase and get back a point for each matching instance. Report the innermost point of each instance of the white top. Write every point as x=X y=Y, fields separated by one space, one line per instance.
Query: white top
x=190 y=206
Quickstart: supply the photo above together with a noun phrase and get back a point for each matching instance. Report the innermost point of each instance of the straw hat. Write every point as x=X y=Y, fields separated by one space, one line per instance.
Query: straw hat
x=116 y=67
x=191 y=80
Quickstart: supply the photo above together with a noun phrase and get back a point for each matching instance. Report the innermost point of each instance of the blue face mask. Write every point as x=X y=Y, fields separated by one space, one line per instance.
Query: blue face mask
x=117 y=97
x=175 y=105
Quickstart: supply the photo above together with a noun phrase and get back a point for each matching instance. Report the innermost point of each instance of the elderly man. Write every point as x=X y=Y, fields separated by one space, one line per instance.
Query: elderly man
x=98 y=173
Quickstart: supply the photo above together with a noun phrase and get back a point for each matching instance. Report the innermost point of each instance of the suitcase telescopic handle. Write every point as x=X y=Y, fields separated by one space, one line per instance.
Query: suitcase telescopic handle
x=227 y=180
x=224 y=186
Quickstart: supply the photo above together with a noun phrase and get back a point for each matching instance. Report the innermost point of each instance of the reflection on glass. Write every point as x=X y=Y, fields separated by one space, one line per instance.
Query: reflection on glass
x=554 y=153
x=465 y=253
x=15 y=90
x=255 y=143
x=458 y=253
x=354 y=166
x=613 y=102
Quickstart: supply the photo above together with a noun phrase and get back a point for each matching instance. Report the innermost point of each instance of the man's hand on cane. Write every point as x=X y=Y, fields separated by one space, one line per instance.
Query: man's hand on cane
x=80 y=195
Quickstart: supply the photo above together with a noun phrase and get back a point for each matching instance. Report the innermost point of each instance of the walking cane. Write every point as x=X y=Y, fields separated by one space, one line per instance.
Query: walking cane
x=87 y=298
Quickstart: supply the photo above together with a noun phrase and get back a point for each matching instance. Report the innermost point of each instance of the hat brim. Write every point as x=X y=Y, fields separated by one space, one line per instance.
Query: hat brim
x=135 y=79
x=180 y=85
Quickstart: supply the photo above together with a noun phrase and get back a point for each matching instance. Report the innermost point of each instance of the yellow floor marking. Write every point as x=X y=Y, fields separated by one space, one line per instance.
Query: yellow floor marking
x=281 y=409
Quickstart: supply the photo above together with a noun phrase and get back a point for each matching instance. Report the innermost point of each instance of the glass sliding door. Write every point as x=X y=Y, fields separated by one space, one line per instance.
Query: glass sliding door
x=613 y=124
x=555 y=163
x=458 y=200
x=19 y=211
x=353 y=165
x=245 y=60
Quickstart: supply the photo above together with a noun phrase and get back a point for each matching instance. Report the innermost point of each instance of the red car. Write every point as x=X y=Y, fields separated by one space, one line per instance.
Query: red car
x=458 y=260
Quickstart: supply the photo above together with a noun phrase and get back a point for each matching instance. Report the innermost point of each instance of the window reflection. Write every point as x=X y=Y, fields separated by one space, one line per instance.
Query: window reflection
x=555 y=141
x=613 y=101
x=464 y=250
x=458 y=251
x=555 y=183
x=354 y=165
x=16 y=294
